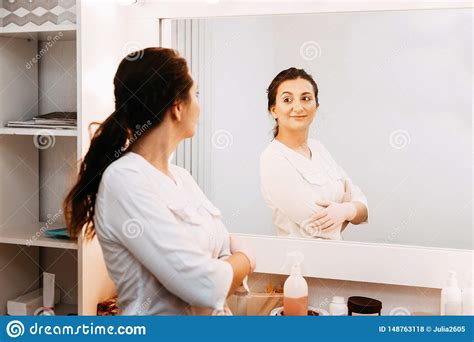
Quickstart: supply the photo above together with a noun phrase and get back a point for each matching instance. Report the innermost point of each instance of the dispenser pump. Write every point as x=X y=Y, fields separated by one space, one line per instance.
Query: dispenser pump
x=451 y=297
x=295 y=258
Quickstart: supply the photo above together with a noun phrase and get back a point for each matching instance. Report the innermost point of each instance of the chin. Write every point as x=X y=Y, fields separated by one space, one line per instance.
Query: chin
x=190 y=133
x=301 y=127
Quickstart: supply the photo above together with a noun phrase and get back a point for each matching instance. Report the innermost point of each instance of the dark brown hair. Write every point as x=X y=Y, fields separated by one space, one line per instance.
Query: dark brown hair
x=146 y=84
x=286 y=75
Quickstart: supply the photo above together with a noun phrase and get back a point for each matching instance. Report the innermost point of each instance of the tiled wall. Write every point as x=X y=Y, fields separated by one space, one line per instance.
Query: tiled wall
x=38 y=12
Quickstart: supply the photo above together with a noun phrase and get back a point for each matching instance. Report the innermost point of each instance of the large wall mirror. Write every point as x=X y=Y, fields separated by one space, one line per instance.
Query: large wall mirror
x=395 y=114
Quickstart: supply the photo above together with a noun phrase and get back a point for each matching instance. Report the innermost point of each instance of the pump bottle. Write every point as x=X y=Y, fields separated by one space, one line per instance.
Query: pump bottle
x=451 y=297
x=295 y=289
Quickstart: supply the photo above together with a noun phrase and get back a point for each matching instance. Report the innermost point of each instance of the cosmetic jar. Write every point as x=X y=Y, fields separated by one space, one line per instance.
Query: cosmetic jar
x=363 y=306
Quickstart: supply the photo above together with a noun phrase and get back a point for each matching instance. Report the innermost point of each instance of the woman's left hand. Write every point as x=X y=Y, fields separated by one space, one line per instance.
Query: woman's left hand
x=239 y=245
x=333 y=214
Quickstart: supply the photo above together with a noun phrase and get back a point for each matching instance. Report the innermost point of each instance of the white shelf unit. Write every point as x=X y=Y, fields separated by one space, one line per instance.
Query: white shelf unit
x=23 y=196
x=29 y=86
x=31 y=29
x=38 y=131
x=33 y=235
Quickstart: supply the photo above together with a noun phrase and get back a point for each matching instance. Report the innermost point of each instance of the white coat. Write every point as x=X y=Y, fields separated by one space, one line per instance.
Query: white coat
x=291 y=184
x=163 y=242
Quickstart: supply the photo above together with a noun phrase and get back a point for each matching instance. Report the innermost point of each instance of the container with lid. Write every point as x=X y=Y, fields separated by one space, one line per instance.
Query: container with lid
x=364 y=306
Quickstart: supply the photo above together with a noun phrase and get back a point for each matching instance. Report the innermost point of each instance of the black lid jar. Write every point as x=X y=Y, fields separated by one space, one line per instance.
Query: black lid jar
x=362 y=306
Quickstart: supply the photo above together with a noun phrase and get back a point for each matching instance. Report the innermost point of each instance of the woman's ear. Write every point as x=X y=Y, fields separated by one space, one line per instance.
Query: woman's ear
x=176 y=110
x=273 y=113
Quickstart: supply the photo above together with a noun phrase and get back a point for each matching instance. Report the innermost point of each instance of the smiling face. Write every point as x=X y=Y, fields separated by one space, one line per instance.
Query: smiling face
x=295 y=105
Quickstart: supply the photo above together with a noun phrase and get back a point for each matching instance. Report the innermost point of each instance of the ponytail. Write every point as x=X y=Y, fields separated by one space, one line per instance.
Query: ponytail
x=106 y=147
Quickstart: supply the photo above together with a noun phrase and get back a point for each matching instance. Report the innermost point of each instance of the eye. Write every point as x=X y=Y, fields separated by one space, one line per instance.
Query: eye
x=307 y=98
x=287 y=99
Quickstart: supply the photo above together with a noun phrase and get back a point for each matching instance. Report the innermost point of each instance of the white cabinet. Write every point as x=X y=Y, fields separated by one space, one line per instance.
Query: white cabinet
x=39 y=72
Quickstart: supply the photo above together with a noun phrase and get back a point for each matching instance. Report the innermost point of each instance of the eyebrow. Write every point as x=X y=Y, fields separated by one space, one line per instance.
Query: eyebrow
x=290 y=93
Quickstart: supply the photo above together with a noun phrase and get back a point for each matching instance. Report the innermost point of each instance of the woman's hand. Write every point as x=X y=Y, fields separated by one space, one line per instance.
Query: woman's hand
x=320 y=221
x=242 y=261
x=333 y=214
x=239 y=245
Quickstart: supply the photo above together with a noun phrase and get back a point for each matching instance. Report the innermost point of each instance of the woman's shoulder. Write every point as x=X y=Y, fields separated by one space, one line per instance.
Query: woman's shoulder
x=273 y=150
x=184 y=175
x=181 y=172
x=127 y=164
x=126 y=171
x=274 y=158
x=317 y=145
x=120 y=180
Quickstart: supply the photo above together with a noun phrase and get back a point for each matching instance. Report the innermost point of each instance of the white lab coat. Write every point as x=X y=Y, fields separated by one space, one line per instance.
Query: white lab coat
x=291 y=184
x=163 y=242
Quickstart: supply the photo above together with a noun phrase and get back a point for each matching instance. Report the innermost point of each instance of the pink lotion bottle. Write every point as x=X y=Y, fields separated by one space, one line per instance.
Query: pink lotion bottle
x=295 y=289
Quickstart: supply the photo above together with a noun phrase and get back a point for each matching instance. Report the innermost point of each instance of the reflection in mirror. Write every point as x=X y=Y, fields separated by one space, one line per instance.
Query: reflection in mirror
x=308 y=192
x=382 y=138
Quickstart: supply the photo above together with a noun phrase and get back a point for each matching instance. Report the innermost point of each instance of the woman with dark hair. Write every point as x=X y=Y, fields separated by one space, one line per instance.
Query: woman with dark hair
x=309 y=194
x=164 y=243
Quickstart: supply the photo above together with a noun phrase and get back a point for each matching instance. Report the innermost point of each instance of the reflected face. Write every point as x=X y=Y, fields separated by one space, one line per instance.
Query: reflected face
x=191 y=112
x=295 y=105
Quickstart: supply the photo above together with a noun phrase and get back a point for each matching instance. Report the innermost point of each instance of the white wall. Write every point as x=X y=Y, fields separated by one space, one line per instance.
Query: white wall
x=379 y=73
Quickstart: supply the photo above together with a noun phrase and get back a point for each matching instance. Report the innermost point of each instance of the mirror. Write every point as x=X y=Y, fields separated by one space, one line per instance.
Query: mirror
x=394 y=112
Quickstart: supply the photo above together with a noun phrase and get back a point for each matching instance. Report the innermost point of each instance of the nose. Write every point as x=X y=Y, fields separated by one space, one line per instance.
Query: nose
x=297 y=107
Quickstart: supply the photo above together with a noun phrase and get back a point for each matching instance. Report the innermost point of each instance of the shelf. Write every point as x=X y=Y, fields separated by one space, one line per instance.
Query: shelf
x=32 y=235
x=35 y=131
x=32 y=31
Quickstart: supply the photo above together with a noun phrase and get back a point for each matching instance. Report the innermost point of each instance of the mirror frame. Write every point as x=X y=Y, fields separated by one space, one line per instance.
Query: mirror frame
x=404 y=265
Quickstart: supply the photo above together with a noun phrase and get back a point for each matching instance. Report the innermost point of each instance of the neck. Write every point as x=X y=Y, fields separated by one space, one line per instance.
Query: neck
x=293 y=139
x=157 y=145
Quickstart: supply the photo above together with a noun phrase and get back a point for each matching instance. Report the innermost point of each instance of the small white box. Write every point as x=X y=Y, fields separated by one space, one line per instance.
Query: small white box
x=27 y=304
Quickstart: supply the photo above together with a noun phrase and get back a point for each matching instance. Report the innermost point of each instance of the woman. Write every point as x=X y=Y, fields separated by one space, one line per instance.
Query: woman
x=164 y=243
x=309 y=193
